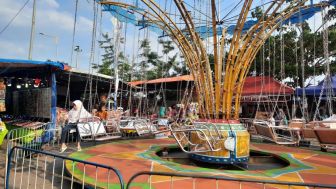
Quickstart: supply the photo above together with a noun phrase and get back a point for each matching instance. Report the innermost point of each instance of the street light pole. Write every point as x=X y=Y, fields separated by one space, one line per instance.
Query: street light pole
x=77 y=50
x=32 y=32
x=56 y=40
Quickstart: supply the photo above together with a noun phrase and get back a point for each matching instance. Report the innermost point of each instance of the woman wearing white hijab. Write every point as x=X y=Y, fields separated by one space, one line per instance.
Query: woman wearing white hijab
x=75 y=114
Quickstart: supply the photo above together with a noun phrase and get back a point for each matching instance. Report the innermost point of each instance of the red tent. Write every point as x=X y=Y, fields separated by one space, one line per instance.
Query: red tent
x=265 y=85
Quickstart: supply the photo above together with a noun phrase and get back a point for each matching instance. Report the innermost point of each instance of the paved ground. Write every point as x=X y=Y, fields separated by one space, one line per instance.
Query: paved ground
x=132 y=156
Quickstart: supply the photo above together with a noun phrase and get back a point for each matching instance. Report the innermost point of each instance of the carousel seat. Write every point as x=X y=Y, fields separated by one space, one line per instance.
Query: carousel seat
x=272 y=133
x=326 y=137
x=94 y=129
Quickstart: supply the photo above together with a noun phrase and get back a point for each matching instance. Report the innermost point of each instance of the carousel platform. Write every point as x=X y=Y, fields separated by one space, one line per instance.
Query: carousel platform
x=132 y=156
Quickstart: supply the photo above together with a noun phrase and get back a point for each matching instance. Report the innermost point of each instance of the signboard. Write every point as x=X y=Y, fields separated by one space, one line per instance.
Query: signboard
x=2 y=96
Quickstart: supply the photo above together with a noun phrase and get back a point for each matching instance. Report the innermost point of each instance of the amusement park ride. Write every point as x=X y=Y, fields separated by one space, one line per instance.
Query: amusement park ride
x=218 y=137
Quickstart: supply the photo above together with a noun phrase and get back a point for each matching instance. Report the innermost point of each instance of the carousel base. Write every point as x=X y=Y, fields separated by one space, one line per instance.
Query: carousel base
x=218 y=159
x=257 y=160
x=132 y=156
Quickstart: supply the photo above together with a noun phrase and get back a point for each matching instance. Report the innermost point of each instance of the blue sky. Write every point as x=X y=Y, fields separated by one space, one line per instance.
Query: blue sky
x=55 y=18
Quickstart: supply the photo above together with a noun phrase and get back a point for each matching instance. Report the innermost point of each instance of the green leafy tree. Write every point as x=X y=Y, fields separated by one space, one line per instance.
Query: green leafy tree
x=168 y=65
x=268 y=60
x=107 y=67
x=145 y=68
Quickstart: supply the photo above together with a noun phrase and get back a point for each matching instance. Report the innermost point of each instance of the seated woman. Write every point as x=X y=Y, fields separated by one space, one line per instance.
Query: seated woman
x=77 y=112
x=102 y=113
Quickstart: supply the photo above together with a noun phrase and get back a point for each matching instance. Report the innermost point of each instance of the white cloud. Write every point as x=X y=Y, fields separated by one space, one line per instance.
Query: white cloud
x=55 y=19
x=12 y=49
x=9 y=9
x=51 y=3
x=84 y=24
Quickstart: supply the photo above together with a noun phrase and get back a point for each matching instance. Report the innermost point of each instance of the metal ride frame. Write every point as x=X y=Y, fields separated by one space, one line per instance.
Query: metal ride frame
x=182 y=134
x=140 y=125
x=269 y=132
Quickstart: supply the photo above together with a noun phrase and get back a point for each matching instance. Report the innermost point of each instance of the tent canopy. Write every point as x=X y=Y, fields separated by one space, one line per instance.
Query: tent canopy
x=316 y=90
x=164 y=80
x=265 y=85
x=16 y=63
x=252 y=86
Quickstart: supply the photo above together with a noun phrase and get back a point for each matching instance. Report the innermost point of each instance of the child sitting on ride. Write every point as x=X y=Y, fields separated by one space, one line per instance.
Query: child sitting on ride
x=101 y=112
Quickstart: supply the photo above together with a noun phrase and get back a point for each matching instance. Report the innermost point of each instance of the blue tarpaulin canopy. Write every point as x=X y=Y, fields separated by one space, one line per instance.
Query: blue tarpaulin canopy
x=16 y=63
x=316 y=90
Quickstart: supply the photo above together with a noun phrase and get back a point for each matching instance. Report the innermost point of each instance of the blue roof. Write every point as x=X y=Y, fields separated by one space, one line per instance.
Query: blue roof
x=316 y=90
x=31 y=63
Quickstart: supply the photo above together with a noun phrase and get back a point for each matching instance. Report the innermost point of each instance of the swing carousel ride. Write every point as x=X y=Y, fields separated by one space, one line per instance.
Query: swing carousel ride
x=217 y=141
x=198 y=31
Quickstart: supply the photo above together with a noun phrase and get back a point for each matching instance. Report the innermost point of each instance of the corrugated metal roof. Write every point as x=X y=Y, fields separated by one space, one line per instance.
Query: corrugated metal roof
x=164 y=80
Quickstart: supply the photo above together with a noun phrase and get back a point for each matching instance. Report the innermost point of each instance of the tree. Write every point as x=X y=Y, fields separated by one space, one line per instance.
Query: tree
x=107 y=67
x=167 y=66
x=268 y=60
x=144 y=69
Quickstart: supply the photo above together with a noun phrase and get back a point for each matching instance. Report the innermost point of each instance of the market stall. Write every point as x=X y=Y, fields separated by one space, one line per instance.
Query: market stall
x=28 y=93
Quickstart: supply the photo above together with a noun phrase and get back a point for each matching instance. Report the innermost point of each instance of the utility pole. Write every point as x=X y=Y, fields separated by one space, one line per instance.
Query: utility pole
x=32 y=32
x=118 y=28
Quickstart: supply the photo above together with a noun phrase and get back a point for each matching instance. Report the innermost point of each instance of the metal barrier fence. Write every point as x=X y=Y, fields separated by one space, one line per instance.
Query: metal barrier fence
x=194 y=181
x=37 y=169
x=33 y=138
